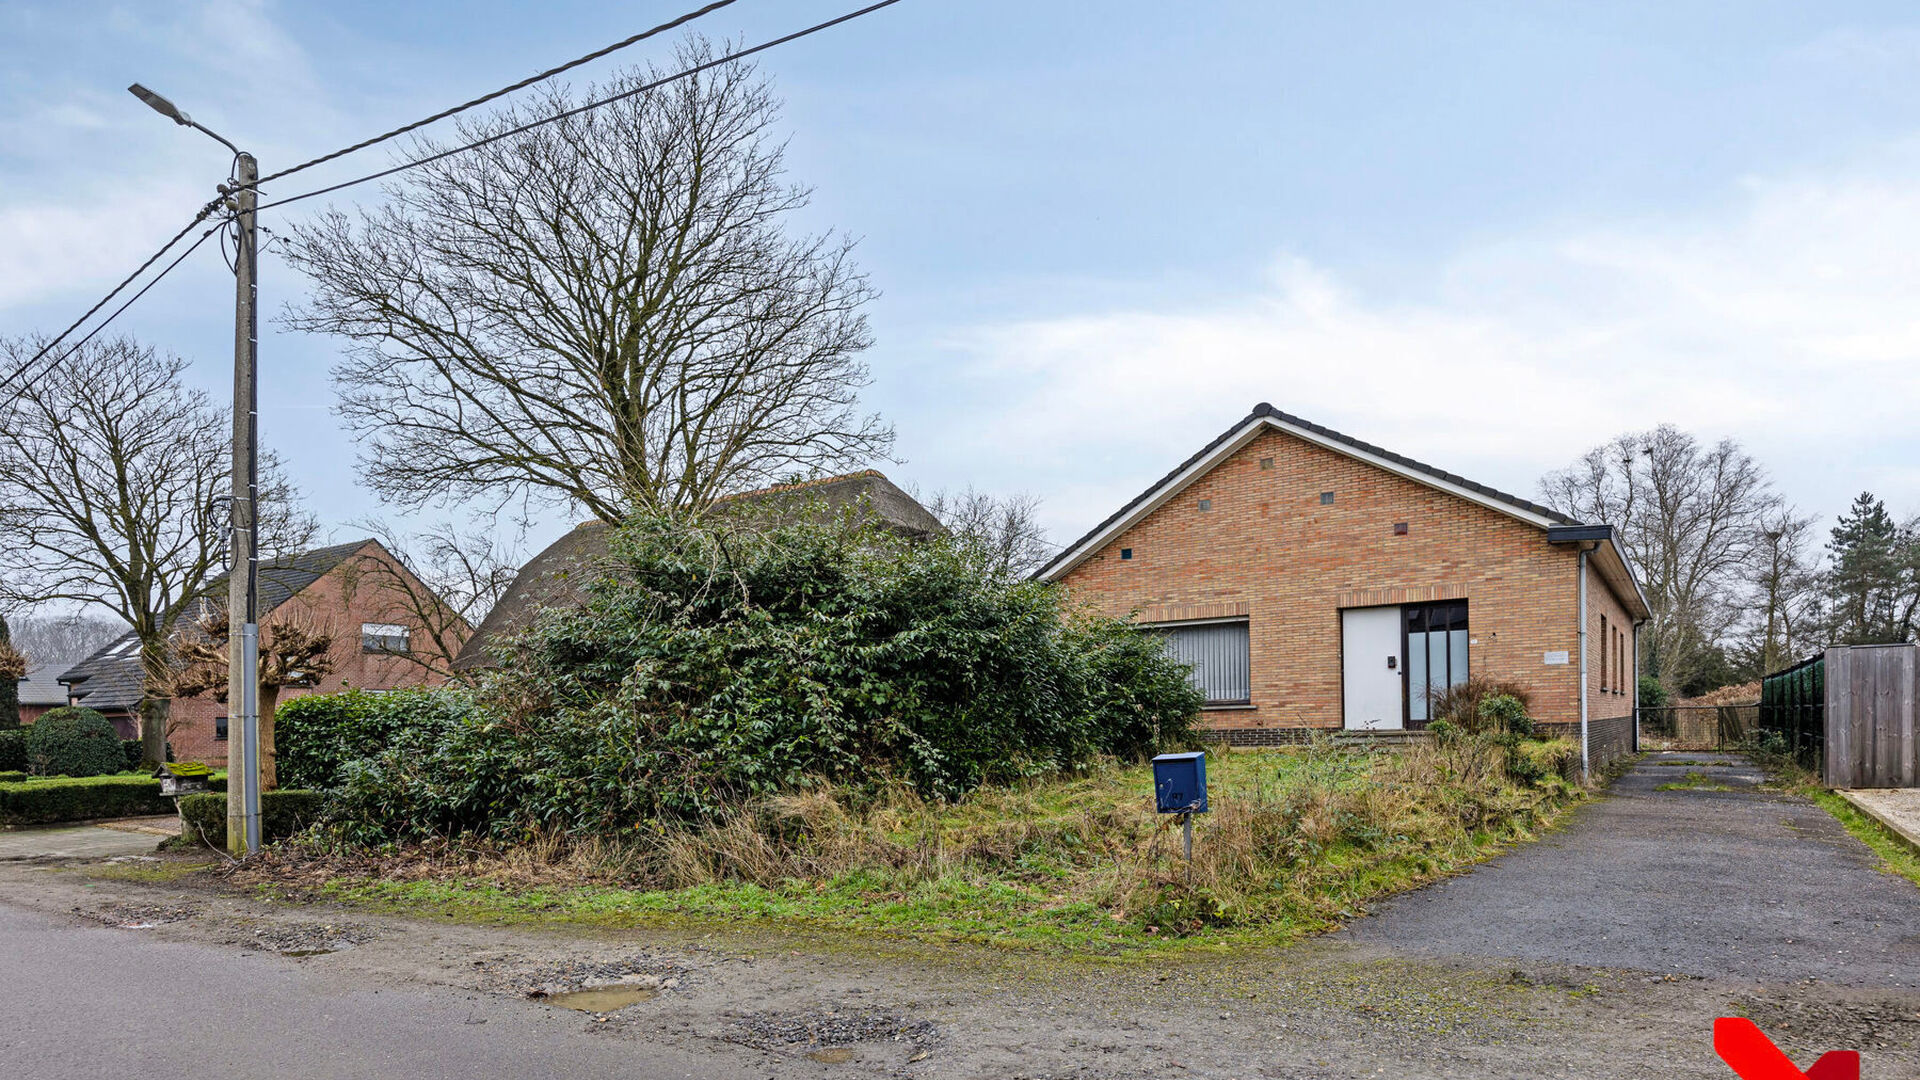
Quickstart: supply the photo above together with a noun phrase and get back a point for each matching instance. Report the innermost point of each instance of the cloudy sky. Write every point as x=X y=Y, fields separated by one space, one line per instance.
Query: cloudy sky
x=1489 y=235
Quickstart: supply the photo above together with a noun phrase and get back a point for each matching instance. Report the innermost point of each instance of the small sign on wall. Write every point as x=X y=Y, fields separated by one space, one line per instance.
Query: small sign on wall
x=1559 y=657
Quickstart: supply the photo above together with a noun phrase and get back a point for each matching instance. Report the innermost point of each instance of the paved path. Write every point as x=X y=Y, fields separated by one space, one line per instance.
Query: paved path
x=76 y=842
x=1739 y=883
x=192 y=1012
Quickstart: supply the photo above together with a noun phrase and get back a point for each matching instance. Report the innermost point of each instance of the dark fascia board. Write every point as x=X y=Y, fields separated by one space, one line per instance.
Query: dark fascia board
x=1076 y=551
x=1612 y=563
x=1575 y=534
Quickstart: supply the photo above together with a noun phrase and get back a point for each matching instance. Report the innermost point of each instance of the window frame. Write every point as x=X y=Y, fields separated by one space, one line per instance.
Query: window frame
x=379 y=644
x=1407 y=720
x=1167 y=629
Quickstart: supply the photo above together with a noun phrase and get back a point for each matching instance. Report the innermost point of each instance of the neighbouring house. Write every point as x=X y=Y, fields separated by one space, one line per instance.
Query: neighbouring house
x=381 y=641
x=1318 y=583
x=556 y=576
x=41 y=690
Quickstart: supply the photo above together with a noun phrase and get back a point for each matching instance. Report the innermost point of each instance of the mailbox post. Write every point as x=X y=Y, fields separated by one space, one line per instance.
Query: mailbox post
x=1180 y=787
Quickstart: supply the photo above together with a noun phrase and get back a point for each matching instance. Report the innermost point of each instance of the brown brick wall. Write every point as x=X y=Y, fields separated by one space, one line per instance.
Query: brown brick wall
x=341 y=601
x=1268 y=547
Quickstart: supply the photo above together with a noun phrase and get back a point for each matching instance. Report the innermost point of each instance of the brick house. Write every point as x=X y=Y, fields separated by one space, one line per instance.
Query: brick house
x=361 y=593
x=1317 y=582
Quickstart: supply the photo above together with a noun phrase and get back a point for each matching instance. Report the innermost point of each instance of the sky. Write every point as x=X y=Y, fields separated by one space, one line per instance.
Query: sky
x=1485 y=235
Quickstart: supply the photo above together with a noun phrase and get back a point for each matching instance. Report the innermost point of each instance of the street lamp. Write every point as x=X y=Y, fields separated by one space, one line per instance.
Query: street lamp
x=243 y=591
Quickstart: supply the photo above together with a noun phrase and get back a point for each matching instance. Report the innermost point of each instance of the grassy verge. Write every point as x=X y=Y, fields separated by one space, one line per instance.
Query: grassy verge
x=1895 y=856
x=1298 y=841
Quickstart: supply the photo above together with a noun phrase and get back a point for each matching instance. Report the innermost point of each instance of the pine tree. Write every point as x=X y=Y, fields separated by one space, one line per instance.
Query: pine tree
x=1872 y=580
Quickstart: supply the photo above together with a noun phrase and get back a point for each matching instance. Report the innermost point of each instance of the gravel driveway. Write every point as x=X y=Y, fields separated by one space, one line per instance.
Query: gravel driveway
x=1738 y=883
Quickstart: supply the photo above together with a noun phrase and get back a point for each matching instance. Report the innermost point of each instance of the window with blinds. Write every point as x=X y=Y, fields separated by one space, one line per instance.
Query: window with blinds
x=1218 y=653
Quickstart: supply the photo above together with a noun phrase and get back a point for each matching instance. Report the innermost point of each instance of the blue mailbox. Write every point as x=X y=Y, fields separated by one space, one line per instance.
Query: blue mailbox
x=1180 y=783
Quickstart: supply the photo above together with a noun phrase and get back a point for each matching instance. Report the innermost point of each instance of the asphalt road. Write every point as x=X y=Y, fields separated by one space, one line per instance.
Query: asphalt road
x=1740 y=884
x=84 y=1002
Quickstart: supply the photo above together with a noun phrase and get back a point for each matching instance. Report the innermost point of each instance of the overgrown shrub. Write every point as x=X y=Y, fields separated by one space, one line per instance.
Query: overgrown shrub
x=69 y=798
x=712 y=666
x=13 y=750
x=283 y=812
x=1471 y=706
x=316 y=736
x=74 y=741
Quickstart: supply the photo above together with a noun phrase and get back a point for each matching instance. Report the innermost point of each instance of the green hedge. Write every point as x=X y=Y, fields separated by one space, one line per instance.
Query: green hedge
x=74 y=741
x=80 y=798
x=13 y=750
x=11 y=776
x=282 y=813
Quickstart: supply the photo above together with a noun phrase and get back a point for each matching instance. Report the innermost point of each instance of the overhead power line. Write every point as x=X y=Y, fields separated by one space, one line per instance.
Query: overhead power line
x=7 y=383
x=502 y=92
x=577 y=110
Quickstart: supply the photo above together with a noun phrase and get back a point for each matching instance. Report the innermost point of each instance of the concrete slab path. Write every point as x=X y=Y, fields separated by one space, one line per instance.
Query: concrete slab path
x=77 y=842
x=1712 y=877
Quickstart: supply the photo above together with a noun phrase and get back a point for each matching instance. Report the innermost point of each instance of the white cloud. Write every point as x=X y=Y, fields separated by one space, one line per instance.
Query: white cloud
x=1787 y=319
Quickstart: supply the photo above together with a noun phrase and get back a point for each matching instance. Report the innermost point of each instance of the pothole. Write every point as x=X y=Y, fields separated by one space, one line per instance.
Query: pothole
x=601 y=999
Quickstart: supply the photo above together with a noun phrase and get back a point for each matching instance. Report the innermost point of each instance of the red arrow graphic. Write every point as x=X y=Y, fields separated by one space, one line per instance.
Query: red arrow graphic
x=1752 y=1056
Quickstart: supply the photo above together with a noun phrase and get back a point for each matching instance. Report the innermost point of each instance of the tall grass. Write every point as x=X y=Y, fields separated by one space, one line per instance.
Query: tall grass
x=1300 y=836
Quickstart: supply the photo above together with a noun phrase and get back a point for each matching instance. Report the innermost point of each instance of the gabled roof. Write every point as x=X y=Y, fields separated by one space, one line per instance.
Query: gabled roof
x=42 y=685
x=558 y=576
x=1265 y=417
x=111 y=678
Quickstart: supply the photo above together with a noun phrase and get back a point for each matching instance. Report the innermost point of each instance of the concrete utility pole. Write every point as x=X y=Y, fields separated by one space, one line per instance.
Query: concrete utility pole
x=243 y=616
x=243 y=578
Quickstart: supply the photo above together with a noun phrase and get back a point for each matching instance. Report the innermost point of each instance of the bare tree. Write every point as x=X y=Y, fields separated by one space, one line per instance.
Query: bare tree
x=109 y=467
x=605 y=310
x=441 y=581
x=295 y=651
x=63 y=639
x=1690 y=517
x=1784 y=602
x=1004 y=529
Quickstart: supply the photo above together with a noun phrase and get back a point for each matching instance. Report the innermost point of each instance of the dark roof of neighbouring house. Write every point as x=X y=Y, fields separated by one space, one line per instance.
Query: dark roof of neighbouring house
x=558 y=576
x=42 y=685
x=111 y=678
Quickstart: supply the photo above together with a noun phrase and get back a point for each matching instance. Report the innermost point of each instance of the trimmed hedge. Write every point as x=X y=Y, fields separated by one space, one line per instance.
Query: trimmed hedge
x=316 y=736
x=74 y=741
x=13 y=750
x=11 y=776
x=80 y=798
x=282 y=813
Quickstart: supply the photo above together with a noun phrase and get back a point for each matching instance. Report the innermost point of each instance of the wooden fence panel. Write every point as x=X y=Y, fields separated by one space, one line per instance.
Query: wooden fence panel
x=1873 y=692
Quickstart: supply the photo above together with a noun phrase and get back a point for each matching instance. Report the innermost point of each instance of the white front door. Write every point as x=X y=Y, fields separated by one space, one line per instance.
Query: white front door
x=1370 y=659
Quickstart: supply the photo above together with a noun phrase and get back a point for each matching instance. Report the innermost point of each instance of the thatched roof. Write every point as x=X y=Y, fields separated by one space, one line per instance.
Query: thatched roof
x=559 y=575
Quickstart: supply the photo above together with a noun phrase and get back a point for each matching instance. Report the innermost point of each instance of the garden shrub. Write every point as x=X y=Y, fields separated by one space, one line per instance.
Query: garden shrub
x=317 y=735
x=74 y=741
x=710 y=666
x=12 y=776
x=136 y=753
x=1652 y=694
x=76 y=798
x=13 y=750
x=283 y=812
x=1466 y=704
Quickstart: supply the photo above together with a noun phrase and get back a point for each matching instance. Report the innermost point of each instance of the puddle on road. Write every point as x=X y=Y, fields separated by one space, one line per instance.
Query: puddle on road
x=601 y=999
x=838 y=1055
